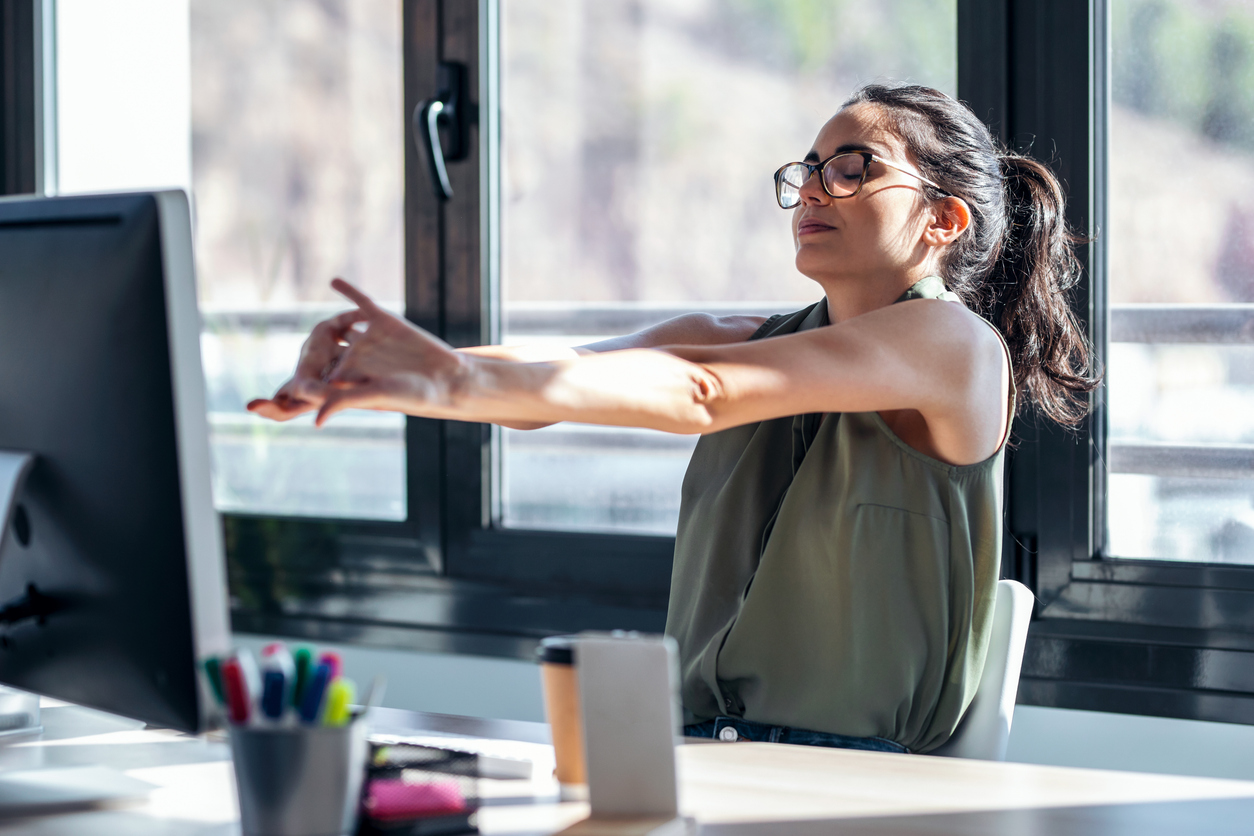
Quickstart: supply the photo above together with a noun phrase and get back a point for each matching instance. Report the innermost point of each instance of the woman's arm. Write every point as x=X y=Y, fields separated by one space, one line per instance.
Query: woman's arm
x=931 y=356
x=307 y=388
x=689 y=329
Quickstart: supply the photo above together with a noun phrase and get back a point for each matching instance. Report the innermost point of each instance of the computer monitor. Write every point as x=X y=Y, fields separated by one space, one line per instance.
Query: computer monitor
x=112 y=578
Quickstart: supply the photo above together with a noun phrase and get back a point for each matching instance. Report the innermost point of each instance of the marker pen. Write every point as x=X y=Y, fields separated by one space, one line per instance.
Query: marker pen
x=274 y=689
x=252 y=673
x=311 y=701
x=332 y=659
x=304 y=666
x=213 y=671
x=276 y=660
x=340 y=695
x=236 y=688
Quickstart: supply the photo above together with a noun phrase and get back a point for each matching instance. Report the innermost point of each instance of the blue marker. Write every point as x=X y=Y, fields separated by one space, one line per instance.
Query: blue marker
x=311 y=702
x=276 y=660
x=273 y=694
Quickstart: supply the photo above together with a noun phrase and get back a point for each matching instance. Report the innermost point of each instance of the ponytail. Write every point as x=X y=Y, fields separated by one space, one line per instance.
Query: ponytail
x=1016 y=262
x=1036 y=268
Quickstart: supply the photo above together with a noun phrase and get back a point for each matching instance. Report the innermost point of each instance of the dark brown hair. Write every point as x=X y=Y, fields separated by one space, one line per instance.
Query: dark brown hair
x=1016 y=261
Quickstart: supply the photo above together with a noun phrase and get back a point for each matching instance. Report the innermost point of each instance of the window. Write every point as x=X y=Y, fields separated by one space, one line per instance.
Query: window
x=1106 y=103
x=639 y=140
x=1182 y=323
x=285 y=122
x=296 y=141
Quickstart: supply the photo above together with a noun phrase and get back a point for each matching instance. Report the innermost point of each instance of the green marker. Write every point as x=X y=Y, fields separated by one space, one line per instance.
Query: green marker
x=303 y=657
x=213 y=670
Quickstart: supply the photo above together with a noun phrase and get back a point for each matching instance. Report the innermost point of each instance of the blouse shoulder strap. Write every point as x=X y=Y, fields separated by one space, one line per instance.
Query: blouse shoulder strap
x=782 y=323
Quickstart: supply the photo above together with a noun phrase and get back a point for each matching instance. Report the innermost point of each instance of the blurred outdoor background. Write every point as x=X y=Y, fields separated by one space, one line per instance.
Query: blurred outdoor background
x=297 y=125
x=1182 y=257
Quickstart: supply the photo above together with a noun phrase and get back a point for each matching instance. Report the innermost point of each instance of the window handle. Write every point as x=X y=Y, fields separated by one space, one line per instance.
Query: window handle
x=450 y=109
x=427 y=122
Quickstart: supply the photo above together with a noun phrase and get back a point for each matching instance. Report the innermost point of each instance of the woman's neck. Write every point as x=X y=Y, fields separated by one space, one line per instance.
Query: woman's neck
x=847 y=298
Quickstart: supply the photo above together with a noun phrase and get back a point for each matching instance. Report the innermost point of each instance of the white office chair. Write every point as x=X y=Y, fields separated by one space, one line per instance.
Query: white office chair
x=984 y=731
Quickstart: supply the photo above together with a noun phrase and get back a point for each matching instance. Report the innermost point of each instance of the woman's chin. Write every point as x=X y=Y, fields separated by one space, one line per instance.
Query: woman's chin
x=813 y=261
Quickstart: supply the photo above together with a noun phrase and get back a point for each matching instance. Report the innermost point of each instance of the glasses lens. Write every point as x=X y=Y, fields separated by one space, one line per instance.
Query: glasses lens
x=788 y=183
x=842 y=174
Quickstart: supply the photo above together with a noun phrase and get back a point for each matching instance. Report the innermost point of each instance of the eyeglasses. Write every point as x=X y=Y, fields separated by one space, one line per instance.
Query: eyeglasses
x=842 y=176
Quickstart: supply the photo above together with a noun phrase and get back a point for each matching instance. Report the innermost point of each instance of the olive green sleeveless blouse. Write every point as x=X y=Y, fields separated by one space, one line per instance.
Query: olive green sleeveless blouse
x=829 y=577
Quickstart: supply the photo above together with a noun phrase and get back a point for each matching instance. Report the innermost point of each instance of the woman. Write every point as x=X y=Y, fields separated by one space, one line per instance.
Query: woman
x=840 y=530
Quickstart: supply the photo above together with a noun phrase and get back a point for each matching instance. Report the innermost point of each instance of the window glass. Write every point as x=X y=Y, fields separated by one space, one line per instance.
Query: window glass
x=1181 y=362
x=297 y=131
x=122 y=109
x=639 y=142
x=285 y=122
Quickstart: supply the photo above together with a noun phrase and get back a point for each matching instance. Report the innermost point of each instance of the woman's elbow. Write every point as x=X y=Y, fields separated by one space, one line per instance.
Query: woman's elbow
x=525 y=425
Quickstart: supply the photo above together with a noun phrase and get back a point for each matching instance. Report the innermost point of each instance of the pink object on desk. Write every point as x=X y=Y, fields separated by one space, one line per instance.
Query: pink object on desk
x=392 y=798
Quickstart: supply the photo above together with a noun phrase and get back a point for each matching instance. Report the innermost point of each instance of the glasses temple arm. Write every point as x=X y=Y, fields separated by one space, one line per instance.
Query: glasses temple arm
x=913 y=174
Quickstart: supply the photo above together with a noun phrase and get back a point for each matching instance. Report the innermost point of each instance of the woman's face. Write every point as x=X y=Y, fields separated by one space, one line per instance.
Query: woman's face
x=875 y=235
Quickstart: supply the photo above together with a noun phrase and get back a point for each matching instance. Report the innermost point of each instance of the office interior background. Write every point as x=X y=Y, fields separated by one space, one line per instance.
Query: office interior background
x=618 y=172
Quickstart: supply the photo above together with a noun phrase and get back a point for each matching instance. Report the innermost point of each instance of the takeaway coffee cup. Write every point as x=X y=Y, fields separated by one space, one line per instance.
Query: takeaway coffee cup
x=561 y=708
x=299 y=780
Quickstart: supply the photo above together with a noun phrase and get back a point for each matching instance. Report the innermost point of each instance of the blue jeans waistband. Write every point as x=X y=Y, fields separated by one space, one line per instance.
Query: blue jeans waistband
x=736 y=728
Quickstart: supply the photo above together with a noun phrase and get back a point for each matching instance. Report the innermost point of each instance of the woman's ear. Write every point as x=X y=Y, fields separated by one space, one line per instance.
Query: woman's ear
x=950 y=218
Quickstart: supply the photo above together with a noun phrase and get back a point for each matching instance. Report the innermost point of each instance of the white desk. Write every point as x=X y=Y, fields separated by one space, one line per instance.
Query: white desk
x=733 y=789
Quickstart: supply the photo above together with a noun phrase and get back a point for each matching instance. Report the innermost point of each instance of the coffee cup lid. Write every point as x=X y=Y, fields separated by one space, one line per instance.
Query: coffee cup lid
x=557 y=650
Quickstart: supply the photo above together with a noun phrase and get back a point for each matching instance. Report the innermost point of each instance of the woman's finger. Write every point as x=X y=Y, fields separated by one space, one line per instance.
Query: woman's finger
x=327 y=337
x=345 y=370
x=353 y=397
x=279 y=409
x=343 y=377
x=342 y=322
x=356 y=296
x=352 y=335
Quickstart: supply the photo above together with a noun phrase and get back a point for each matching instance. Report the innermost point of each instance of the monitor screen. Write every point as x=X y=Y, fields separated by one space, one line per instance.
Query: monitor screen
x=112 y=580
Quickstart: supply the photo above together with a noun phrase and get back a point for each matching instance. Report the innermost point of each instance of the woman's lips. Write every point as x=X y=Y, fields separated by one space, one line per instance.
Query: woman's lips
x=811 y=226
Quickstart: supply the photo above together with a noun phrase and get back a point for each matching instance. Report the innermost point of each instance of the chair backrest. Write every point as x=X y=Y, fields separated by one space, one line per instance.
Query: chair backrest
x=984 y=731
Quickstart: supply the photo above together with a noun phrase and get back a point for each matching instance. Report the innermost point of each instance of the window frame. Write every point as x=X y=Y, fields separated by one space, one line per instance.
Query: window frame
x=444 y=580
x=1152 y=637
x=21 y=87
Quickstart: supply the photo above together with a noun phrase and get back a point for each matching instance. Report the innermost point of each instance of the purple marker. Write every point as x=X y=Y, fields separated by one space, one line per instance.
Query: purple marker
x=332 y=659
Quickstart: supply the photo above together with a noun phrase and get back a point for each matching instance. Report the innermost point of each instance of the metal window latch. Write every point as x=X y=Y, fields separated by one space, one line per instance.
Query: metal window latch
x=452 y=111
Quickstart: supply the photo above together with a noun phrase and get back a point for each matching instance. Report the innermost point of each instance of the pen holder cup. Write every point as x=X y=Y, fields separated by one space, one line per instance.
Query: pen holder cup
x=299 y=780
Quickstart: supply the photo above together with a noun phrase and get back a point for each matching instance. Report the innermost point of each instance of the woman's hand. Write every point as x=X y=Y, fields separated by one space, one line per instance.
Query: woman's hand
x=367 y=359
x=307 y=387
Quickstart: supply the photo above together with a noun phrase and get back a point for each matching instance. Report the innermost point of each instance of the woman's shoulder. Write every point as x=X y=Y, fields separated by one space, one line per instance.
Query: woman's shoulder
x=942 y=321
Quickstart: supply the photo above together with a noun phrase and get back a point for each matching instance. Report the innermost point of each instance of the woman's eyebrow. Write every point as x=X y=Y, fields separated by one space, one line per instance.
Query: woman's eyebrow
x=845 y=149
x=813 y=156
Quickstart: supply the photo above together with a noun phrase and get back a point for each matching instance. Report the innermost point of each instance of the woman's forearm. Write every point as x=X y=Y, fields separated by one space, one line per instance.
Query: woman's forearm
x=527 y=353
x=370 y=358
x=637 y=387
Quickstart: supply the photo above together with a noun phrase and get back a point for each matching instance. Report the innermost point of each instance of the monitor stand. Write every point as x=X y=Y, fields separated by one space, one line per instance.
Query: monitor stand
x=19 y=714
x=13 y=469
x=19 y=711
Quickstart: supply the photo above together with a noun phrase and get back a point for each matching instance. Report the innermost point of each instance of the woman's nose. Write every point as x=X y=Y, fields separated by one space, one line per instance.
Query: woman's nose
x=812 y=191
